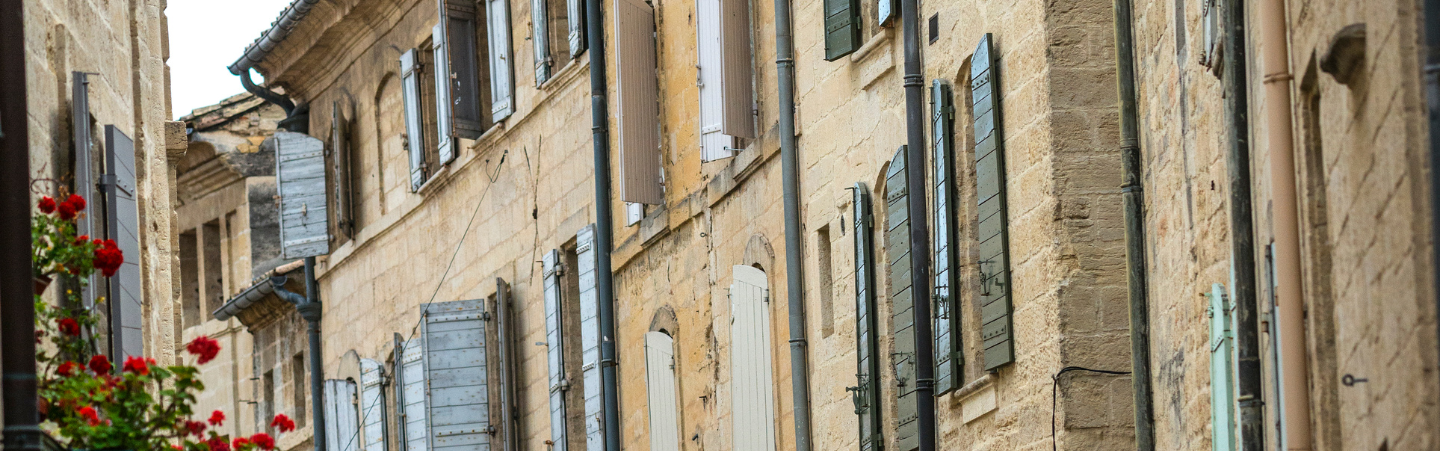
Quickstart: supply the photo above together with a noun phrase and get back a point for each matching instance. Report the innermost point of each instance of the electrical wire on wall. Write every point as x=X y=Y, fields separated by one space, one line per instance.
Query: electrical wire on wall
x=1055 y=394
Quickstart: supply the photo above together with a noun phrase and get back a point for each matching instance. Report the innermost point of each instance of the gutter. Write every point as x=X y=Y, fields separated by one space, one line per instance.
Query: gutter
x=258 y=50
x=794 y=250
x=254 y=293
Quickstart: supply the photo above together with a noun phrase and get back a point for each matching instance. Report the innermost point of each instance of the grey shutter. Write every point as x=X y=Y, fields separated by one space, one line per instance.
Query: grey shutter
x=753 y=387
x=340 y=167
x=300 y=178
x=736 y=67
x=444 y=142
x=502 y=82
x=714 y=144
x=1222 y=376
x=902 y=303
x=414 y=424
x=372 y=406
x=639 y=107
x=459 y=70
x=948 y=354
x=661 y=392
x=341 y=426
x=994 y=235
x=457 y=392
x=555 y=349
x=540 y=36
x=85 y=179
x=122 y=218
x=414 y=131
x=509 y=399
x=867 y=342
x=575 y=16
x=586 y=260
x=842 y=28
x=886 y=10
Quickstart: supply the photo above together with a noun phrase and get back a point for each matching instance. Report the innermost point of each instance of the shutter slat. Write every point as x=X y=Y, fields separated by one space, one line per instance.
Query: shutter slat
x=540 y=31
x=459 y=19
x=753 y=416
x=456 y=388
x=661 y=391
x=444 y=141
x=502 y=78
x=947 y=313
x=714 y=144
x=638 y=93
x=414 y=132
x=589 y=336
x=555 y=349
x=897 y=248
x=575 y=15
x=736 y=67
x=122 y=215
x=866 y=324
x=1222 y=371
x=996 y=330
x=842 y=28
x=340 y=167
x=372 y=406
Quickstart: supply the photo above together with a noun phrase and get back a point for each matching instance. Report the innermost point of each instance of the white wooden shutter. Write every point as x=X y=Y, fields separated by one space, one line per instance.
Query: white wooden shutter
x=372 y=406
x=443 y=139
x=661 y=391
x=753 y=409
x=341 y=426
x=414 y=425
x=714 y=145
x=590 y=336
x=457 y=68
x=575 y=15
x=540 y=37
x=414 y=132
x=502 y=83
x=639 y=110
x=736 y=67
x=555 y=349
x=456 y=375
x=122 y=216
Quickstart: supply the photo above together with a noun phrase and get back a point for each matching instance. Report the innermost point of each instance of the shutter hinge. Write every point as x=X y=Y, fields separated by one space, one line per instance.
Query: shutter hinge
x=484 y=316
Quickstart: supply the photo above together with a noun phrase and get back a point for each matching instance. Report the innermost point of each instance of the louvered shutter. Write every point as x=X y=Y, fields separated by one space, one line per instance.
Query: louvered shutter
x=502 y=83
x=866 y=393
x=586 y=260
x=509 y=408
x=540 y=31
x=414 y=132
x=948 y=357
x=842 y=28
x=458 y=69
x=736 y=70
x=414 y=424
x=994 y=235
x=661 y=391
x=1222 y=379
x=85 y=178
x=714 y=144
x=444 y=142
x=638 y=93
x=122 y=218
x=753 y=413
x=902 y=303
x=372 y=406
x=341 y=426
x=575 y=15
x=886 y=10
x=555 y=349
x=457 y=382
x=340 y=167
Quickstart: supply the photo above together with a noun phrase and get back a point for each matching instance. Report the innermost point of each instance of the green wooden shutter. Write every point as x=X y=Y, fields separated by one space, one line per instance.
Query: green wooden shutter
x=948 y=350
x=994 y=226
x=902 y=302
x=842 y=28
x=866 y=393
x=1222 y=371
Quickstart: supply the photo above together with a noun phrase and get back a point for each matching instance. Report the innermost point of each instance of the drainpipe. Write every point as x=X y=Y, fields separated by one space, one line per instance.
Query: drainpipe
x=1432 y=95
x=919 y=225
x=604 y=222
x=794 y=277
x=1290 y=302
x=1134 y=193
x=309 y=308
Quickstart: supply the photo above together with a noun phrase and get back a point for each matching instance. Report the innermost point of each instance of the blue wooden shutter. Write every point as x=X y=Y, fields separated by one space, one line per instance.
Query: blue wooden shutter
x=86 y=181
x=902 y=303
x=661 y=390
x=414 y=131
x=300 y=178
x=340 y=169
x=1222 y=372
x=540 y=37
x=948 y=357
x=457 y=69
x=509 y=399
x=122 y=217
x=842 y=28
x=555 y=349
x=342 y=429
x=866 y=393
x=575 y=15
x=502 y=78
x=372 y=406
x=444 y=141
x=751 y=376
x=994 y=235
x=414 y=426
x=586 y=260
x=457 y=390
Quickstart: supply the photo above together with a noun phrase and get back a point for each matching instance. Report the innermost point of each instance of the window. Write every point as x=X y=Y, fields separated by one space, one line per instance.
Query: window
x=563 y=346
x=551 y=25
x=190 y=278
x=212 y=279
x=727 y=99
x=638 y=99
x=298 y=383
x=341 y=174
x=267 y=406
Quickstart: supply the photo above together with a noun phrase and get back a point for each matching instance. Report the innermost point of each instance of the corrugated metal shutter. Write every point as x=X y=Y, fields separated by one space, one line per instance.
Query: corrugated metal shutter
x=122 y=217
x=1222 y=378
x=509 y=407
x=502 y=78
x=842 y=28
x=300 y=178
x=341 y=426
x=661 y=391
x=948 y=356
x=85 y=177
x=902 y=303
x=867 y=341
x=714 y=144
x=459 y=19
x=638 y=93
x=540 y=36
x=457 y=382
x=414 y=132
x=372 y=406
x=555 y=349
x=994 y=235
x=753 y=413
x=736 y=68
x=585 y=263
x=575 y=15
x=444 y=143
x=340 y=167
x=414 y=427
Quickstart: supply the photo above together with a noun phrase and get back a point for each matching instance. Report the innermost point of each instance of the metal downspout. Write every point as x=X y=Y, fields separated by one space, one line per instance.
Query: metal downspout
x=1134 y=193
x=310 y=309
x=1432 y=97
x=604 y=222
x=919 y=225
x=794 y=252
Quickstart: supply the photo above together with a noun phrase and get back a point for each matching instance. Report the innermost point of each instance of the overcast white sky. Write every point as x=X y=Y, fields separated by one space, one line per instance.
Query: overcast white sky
x=205 y=37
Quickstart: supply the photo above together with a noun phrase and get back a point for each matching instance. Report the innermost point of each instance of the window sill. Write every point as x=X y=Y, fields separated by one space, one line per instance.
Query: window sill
x=564 y=75
x=870 y=45
x=435 y=181
x=977 y=398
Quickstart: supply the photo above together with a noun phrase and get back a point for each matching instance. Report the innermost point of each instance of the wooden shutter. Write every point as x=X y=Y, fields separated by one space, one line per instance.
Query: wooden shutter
x=639 y=114
x=1222 y=379
x=886 y=10
x=540 y=37
x=585 y=262
x=300 y=178
x=457 y=68
x=902 y=301
x=414 y=132
x=867 y=342
x=502 y=78
x=575 y=16
x=372 y=406
x=842 y=28
x=661 y=391
x=444 y=142
x=504 y=345
x=457 y=385
x=122 y=221
x=948 y=350
x=341 y=426
x=340 y=168
x=736 y=68
x=555 y=349
x=714 y=144
x=994 y=235
x=753 y=413
x=85 y=178
x=414 y=424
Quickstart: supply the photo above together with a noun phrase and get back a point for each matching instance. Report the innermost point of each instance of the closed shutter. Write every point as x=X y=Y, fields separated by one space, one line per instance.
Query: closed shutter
x=122 y=218
x=902 y=301
x=661 y=391
x=458 y=69
x=444 y=142
x=842 y=28
x=1222 y=379
x=714 y=144
x=457 y=391
x=994 y=235
x=300 y=179
x=555 y=349
x=341 y=426
x=866 y=393
x=509 y=408
x=414 y=132
x=753 y=413
x=575 y=13
x=736 y=67
x=340 y=168
x=85 y=177
x=372 y=406
x=639 y=114
x=540 y=36
x=414 y=427
x=502 y=83
x=948 y=357
x=585 y=263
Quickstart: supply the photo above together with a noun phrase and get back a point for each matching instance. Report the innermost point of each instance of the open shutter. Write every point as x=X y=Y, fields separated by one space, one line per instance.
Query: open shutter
x=122 y=220
x=457 y=382
x=661 y=391
x=457 y=68
x=902 y=301
x=736 y=67
x=753 y=411
x=575 y=15
x=948 y=357
x=502 y=83
x=1222 y=378
x=638 y=93
x=414 y=132
x=586 y=260
x=540 y=36
x=340 y=167
x=886 y=10
x=85 y=177
x=509 y=408
x=842 y=28
x=341 y=426
x=866 y=393
x=555 y=349
x=444 y=142
x=414 y=424
x=372 y=406
x=714 y=144
x=300 y=179
x=994 y=235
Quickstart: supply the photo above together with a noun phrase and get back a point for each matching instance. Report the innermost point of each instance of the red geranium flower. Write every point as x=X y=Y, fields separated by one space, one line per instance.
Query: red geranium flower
x=47 y=205
x=68 y=369
x=136 y=365
x=76 y=201
x=239 y=442
x=108 y=258
x=205 y=347
x=196 y=428
x=69 y=326
x=100 y=365
x=263 y=441
x=88 y=413
x=217 y=418
x=217 y=443
x=282 y=423
x=67 y=211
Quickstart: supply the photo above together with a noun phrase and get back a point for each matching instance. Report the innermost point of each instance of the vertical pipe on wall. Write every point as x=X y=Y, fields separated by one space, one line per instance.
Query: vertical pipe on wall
x=919 y=226
x=1432 y=97
x=605 y=291
x=310 y=310
x=794 y=277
